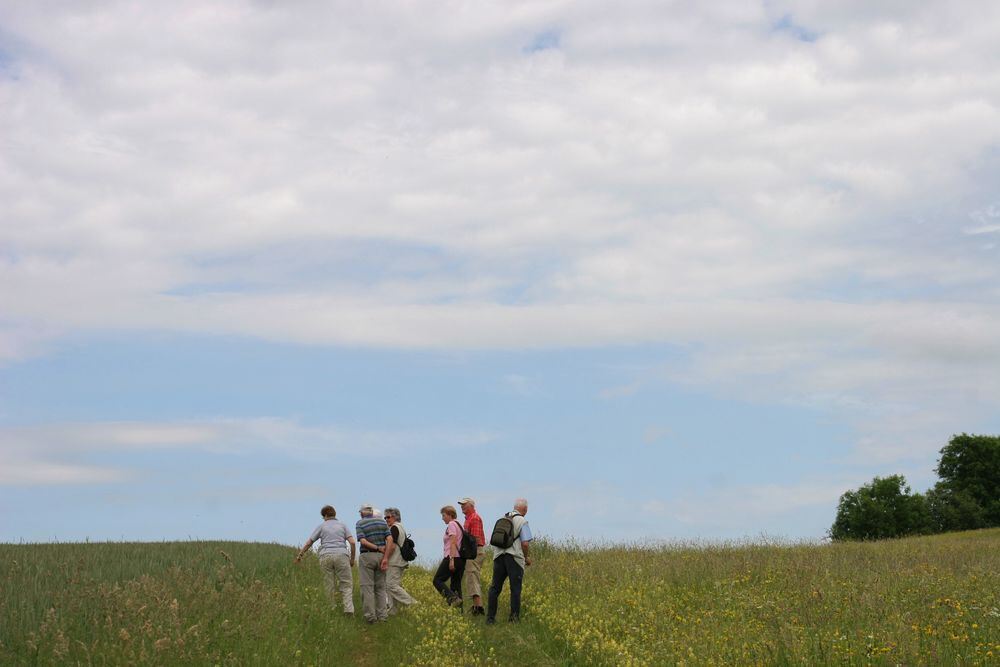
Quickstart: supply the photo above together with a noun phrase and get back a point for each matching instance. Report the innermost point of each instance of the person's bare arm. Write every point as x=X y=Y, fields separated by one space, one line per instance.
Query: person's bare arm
x=350 y=540
x=305 y=548
x=525 y=547
x=390 y=546
x=456 y=542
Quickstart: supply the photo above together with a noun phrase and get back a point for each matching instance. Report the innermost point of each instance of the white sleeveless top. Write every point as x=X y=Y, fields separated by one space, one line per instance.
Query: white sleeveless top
x=396 y=559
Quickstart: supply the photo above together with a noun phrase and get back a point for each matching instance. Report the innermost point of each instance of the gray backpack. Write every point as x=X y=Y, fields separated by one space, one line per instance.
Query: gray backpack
x=503 y=533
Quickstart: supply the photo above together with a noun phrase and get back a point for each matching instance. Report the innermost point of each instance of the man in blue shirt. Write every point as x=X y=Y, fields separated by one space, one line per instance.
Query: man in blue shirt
x=510 y=563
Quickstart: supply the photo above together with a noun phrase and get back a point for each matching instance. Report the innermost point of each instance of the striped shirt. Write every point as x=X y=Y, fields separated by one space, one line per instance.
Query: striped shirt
x=474 y=526
x=372 y=529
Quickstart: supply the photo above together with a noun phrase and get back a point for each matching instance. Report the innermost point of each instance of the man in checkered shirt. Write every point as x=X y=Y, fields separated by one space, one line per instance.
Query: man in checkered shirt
x=471 y=585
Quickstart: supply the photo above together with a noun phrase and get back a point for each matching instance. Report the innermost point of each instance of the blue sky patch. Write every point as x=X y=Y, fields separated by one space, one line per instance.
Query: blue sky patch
x=550 y=39
x=786 y=24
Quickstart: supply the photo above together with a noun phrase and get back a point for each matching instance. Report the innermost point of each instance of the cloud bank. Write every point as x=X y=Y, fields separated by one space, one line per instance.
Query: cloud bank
x=800 y=196
x=60 y=453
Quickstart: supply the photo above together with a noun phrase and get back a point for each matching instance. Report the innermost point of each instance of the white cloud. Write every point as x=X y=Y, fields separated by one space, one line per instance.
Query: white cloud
x=601 y=510
x=16 y=472
x=654 y=434
x=985 y=229
x=56 y=454
x=570 y=504
x=794 y=213
x=620 y=391
x=755 y=501
x=522 y=385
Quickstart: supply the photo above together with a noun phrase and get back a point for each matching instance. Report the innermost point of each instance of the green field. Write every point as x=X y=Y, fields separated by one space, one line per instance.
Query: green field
x=928 y=600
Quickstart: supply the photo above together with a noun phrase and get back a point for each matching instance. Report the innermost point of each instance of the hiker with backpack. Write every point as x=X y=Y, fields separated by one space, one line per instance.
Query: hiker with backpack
x=471 y=584
x=337 y=566
x=452 y=566
x=399 y=552
x=510 y=539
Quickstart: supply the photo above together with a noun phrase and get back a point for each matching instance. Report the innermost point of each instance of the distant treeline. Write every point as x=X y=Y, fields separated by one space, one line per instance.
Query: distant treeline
x=966 y=497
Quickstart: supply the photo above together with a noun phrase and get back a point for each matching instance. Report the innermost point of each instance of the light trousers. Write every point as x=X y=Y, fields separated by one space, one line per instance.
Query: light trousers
x=398 y=597
x=471 y=580
x=337 y=574
x=372 y=580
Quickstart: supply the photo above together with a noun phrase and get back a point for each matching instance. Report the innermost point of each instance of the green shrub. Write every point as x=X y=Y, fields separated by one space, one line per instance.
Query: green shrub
x=881 y=509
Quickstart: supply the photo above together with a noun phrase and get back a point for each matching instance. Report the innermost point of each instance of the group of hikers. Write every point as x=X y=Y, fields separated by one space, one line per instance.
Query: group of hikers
x=386 y=550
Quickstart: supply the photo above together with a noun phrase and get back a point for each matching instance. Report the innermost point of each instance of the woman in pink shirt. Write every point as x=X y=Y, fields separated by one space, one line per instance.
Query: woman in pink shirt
x=452 y=566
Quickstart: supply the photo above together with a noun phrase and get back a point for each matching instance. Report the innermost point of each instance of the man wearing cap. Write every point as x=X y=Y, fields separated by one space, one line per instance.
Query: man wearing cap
x=471 y=585
x=372 y=533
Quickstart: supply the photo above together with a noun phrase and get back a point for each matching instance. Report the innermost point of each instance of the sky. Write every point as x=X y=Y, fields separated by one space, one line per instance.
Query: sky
x=670 y=270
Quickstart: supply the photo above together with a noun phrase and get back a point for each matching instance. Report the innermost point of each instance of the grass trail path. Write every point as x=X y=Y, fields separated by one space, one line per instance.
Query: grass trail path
x=431 y=633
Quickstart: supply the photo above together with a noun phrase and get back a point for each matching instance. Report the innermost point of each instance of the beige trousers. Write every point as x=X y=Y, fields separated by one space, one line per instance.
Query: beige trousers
x=372 y=580
x=337 y=574
x=398 y=597
x=471 y=579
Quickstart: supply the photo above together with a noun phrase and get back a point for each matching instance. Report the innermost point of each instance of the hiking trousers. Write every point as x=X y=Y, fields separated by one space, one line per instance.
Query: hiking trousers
x=471 y=582
x=505 y=566
x=337 y=574
x=444 y=575
x=372 y=580
x=398 y=597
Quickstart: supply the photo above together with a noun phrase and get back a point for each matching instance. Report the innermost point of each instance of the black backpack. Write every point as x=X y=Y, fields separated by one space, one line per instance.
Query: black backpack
x=503 y=533
x=467 y=548
x=407 y=549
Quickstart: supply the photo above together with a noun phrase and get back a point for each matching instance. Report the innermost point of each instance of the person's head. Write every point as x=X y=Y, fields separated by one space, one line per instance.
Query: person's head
x=391 y=515
x=377 y=513
x=448 y=513
x=366 y=510
x=328 y=512
x=521 y=506
x=468 y=505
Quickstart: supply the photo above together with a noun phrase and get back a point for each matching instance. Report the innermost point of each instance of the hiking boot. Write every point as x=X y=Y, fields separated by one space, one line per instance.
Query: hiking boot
x=455 y=601
x=490 y=621
x=478 y=611
x=513 y=618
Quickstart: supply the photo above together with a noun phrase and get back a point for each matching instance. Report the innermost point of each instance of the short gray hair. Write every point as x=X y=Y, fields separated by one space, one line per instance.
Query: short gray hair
x=393 y=512
x=521 y=502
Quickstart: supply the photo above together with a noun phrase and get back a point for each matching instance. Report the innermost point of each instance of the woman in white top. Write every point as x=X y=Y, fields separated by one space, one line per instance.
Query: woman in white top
x=394 y=564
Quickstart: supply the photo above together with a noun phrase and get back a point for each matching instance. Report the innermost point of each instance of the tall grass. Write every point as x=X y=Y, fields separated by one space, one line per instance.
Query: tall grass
x=918 y=601
x=925 y=600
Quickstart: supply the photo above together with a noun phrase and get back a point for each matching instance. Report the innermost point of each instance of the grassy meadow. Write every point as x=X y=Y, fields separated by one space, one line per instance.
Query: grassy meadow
x=928 y=600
